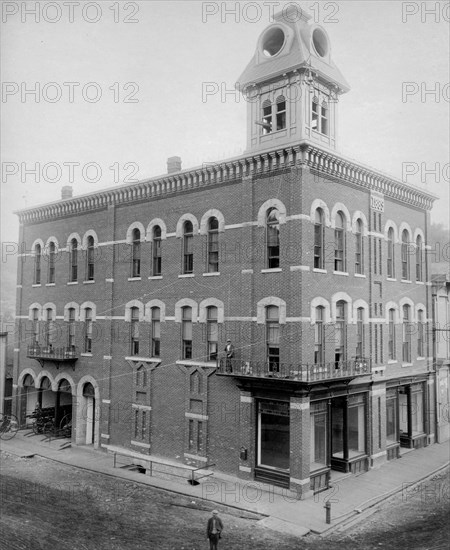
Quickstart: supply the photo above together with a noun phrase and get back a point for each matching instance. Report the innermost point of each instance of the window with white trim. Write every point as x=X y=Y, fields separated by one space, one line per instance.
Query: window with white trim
x=405 y=255
x=281 y=112
x=71 y=328
x=186 y=332
x=339 y=243
x=90 y=259
x=136 y=254
x=213 y=245
x=391 y=341
x=188 y=247
x=88 y=330
x=155 y=331
x=359 y=267
x=134 y=330
x=390 y=254
x=420 y=334
x=273 y=238
x=340 y=350
x=273 y=338
x=37 y=264
x=419 y=259
x=266 y=117
x=51 y=262
x=319 y=234
x=156 y=252
x=73 y=259
x=319 y=336
x=360 y=333
x=407 y=330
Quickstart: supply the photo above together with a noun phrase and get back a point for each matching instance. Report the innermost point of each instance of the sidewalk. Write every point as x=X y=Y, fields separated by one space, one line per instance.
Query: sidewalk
x=349 y=495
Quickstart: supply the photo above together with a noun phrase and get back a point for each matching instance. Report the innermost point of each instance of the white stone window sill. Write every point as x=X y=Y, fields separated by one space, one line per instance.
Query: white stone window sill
x=391 y=279
x=36 y=286
x=273 y=270
x=88 y=282
x=247 y=271
x=360 y=275
x=213 y=274
x=134 y=279
x=72 y=283
x=193 y=363
x=299 y=268
x=86 y=354
x=147 y=359
x=406 y=281
x=420 y=283
x=420 y=358
x=407 y=365
x=186 y=276
x=318 y=270
x=340 y=273
x=392 y=361
x=155 y=277
x=50 y=284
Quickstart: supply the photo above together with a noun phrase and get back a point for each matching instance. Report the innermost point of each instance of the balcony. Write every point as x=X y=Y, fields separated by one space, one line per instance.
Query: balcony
x=59 y=356
x=307 y=374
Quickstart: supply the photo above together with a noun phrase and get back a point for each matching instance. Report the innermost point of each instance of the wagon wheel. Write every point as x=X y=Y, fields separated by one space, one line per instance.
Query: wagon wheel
x=65 y=426
x=9 y=426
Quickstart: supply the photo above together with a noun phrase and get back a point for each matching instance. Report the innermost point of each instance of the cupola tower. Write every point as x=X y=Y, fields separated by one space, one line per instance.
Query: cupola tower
x=292 y=85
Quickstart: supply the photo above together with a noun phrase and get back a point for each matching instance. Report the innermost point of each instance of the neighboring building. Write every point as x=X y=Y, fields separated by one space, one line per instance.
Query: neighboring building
x=312 y=264
x=441 y=352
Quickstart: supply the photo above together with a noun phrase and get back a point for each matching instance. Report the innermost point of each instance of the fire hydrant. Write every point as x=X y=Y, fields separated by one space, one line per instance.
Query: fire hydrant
x=328 y=511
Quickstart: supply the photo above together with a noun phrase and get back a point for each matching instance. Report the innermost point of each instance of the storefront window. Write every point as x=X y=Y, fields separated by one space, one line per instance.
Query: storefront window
x=391 y=418
x=348 y=427
x=318 y=435
x=356 y=427
x=417 y=411
x=273 y=434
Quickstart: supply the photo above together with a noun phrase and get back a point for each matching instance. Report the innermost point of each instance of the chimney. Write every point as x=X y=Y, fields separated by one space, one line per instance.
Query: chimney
x=173 y=165
x=66 y=192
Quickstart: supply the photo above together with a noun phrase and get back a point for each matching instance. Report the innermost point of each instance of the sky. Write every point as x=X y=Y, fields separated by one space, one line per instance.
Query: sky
x=120 y=87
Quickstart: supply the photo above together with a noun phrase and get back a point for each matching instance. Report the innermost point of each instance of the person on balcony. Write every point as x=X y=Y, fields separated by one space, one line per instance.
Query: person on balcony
x=229 y=354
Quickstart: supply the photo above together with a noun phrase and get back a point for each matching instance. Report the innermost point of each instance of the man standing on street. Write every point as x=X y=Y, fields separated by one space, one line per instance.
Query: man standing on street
x=214 y=529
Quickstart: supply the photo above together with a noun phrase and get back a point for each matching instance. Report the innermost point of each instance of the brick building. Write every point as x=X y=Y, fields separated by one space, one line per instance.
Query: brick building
x=313 y=265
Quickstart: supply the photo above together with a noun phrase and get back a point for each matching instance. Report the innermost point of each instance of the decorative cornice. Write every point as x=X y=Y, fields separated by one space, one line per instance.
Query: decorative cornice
x=324 y=162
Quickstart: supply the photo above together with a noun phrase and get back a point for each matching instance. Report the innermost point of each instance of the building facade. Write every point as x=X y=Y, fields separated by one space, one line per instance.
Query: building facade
x=312 y=265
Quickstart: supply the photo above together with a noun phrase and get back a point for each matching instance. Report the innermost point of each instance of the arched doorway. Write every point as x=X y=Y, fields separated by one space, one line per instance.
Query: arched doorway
x=46 y=397
x=28 y=400
x=89 y=411
x=63 y=403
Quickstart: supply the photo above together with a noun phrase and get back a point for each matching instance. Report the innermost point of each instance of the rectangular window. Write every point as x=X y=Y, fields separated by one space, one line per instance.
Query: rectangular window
x=134 y=329
x=315 y=115
x=319 y=435
x=188 y=254
x=49 y=328
x=281 y=115
x=37 y=266
x=391 y=418
x=318 y=251
x=196 y=436
x=391 y=342
x=74 y=262
x=339 y=250
x=35 y=326
x=319 y=337
x=136 y=423
x=156 y=257
x=71 y=329
x=380 y=257
x=406 y=356
x=88 y=331
x=324 y=119
x=417 y=412
x=156 y=331
x=420 y=335
x=375 y=328
x=273 y=338
x=212 y=329
x=90 y=260
x=144 y=425
x=360 y=333
x=375 y=263
x=340 y=334
x=51 y=264
x=213 y=251
x=186 y=333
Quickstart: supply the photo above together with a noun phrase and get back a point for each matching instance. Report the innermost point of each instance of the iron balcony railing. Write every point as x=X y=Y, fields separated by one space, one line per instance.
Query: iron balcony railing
x=307 y=373
x=51 y=353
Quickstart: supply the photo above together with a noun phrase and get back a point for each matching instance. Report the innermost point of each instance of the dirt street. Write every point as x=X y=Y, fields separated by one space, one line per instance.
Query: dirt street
x=50 y=506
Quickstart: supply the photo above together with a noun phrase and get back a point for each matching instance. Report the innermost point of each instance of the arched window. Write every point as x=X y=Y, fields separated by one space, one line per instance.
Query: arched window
x=71 y=329
x=340 y=348
x=186 y=332
x=134 y=331
x=266 y=117
x=405 y=255
x=339 y=243
x=156 y=331
x=319 y=336
x=407 y=329
x=212 y=332
x=319 y=234
x=324 y=118
x=273 y=338
x=188 y=247
x=360 y=351
x=136 y=254
x=392 y=342
x=419 y=259
x=88 y=330
x=281 y=112
x=390 y=254
x=420 y=334
x=51 y=262
x=213 y=245
x=156 y=251
x=315 y=114
x=90 y=259
x=73 y=260
x=359 y=253
x=273 y=238
x=37 y=264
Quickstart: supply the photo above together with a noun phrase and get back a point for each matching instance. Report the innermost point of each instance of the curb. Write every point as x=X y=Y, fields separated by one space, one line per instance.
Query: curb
x=361 y=513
